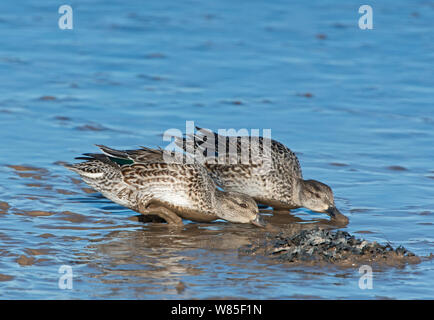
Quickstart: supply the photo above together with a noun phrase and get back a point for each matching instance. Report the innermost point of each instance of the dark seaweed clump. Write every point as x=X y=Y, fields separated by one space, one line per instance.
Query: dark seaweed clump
x=326 y=246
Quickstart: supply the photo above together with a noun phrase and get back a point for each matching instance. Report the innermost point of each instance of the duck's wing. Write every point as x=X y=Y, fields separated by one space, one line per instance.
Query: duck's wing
x=241 y=151
x=186 y=187
x=95 y=165
x=145 y=155
x=284 y=159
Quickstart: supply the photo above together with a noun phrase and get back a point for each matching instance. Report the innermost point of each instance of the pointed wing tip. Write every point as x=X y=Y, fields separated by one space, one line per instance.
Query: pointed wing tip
x=69 y=167
x=101 y=146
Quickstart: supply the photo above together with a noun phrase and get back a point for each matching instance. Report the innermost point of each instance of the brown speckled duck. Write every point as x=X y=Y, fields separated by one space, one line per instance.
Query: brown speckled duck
x=142 y=181
x=280 y=185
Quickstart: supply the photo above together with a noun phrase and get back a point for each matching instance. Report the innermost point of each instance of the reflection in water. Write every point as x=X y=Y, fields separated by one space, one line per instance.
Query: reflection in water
x=155 y=258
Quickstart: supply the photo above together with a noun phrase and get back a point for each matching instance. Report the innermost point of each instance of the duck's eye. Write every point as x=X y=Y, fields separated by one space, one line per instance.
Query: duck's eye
x=243 y=205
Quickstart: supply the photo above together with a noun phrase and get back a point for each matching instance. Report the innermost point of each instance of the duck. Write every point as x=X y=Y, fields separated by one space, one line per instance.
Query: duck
x=276 y=180
x=142 y=181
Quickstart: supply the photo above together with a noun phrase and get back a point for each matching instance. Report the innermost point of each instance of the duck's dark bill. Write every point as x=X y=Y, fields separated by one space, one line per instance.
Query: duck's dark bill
x=259 y=222
x=333 y=212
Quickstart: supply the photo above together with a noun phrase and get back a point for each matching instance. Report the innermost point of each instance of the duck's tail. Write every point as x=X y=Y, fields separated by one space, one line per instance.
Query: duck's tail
x=95 y=169
x=103 y=175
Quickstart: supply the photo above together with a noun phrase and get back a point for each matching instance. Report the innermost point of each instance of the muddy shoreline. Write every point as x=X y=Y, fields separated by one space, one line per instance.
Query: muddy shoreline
x=322 y=246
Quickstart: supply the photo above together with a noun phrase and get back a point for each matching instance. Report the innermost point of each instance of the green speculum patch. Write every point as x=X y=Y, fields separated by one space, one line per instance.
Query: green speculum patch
x=121 y=162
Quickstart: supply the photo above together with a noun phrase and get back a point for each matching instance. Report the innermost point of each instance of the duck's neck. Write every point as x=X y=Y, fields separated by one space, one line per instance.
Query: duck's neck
x=298 y=192
x=220 y=198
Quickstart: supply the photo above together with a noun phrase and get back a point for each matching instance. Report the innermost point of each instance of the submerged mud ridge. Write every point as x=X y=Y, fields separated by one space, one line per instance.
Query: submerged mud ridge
x=322 y=246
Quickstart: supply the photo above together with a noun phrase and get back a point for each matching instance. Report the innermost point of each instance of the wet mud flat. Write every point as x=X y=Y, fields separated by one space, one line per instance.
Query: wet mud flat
x=322 y=246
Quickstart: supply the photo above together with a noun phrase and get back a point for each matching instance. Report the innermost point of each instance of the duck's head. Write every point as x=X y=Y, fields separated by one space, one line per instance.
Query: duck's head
x=318 y=197
x=239 y=208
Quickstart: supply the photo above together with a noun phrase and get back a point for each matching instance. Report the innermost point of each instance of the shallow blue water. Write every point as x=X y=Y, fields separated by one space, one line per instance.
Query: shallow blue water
x=355 y=105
